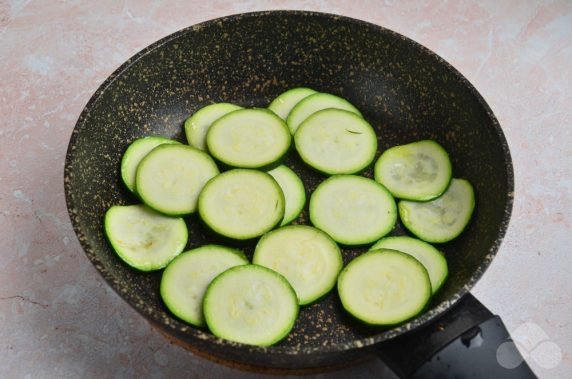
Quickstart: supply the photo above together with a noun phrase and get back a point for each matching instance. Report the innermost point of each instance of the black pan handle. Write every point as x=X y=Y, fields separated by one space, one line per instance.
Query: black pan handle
x=463 y=343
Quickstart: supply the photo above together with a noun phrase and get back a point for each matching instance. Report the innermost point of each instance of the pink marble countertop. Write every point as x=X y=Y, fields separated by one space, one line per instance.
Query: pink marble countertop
x=58 y=319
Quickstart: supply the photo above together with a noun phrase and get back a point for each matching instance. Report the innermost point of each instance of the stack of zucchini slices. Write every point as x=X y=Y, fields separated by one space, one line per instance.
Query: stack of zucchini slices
x=231 y=176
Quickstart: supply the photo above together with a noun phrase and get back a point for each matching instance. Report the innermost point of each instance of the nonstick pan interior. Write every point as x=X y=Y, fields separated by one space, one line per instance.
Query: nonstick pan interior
x=405 y=91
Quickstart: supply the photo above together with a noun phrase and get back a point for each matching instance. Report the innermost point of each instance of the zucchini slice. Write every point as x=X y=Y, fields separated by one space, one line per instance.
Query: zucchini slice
x=294 y=192
x=142 y=238
x=314 y=103
x=416 y=171
x=283 y=104
x=384 y=287
x=336 y=141
x=250 y=304
x=431 y=258
x=249 y=138
x=197 y=126
x=136 y=151
x=170 y=178
x=241 y=204
x=187 y=277
x=442 y=219
x=306 y=256
x=352 y=209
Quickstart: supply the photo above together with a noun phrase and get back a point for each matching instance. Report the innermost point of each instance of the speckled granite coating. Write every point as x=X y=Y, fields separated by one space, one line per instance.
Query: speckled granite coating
x=405 y=91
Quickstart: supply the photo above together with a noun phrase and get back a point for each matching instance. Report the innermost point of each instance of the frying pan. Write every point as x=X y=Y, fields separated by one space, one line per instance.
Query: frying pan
x=404 y=90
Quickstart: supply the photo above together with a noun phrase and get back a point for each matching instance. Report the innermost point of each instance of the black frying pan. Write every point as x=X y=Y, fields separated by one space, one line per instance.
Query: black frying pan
x=404 y=90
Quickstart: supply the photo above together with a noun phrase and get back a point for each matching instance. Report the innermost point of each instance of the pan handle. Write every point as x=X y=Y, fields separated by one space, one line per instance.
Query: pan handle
x=464 y=343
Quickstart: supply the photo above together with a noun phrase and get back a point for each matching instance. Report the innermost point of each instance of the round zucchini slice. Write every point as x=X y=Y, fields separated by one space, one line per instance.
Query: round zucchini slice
x=250 y=304
x=352 y=209
x=170 y=178
x=335 y=141
x=306 y=256
x=249 y=138
x=442 y=219
x=384 y=287
x=241 y=204
x=142 y=238
x=417 y=171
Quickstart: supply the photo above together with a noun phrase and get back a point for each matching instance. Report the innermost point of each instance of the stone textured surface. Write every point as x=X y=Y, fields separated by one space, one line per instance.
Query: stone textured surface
x=58 y=318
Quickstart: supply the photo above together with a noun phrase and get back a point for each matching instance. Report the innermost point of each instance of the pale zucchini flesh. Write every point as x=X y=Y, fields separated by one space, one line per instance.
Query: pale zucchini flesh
x=142 y=238
x=250 y=304
x=442 y=219
x=249 y=138
x=306 y=256
x=336 y=141
x=170 y=178
x=384 y=287
x=186 y=278
x=417 y=171
x=352 y=209
x=241 y=204
x=432 y=259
